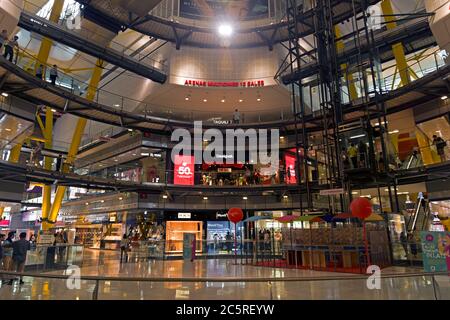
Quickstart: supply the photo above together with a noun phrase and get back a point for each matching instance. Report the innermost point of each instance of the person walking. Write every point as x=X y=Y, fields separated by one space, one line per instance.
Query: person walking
x=353 y=155
x=20 y=249
x=236 y=116
x=3 y=38
x=9 y=48
x=54 y=74
x=124 y=246
x=440 y=147
x=40 y=71
x=8 y=252
x=362 y=150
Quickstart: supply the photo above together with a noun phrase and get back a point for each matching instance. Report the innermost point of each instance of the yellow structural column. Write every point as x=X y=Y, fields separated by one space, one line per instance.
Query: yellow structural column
x=76 y=140
x=42 y=58
x=397 y=49
x=353 y=93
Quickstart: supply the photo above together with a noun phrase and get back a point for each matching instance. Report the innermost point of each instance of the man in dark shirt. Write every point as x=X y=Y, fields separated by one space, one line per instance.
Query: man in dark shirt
x=20 y=248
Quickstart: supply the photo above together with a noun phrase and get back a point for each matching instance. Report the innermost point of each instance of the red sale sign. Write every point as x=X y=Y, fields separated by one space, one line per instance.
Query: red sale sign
x=290 y=161
x=184 y=170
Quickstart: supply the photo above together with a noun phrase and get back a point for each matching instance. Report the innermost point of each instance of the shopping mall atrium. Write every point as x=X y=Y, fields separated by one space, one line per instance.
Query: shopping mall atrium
x=225 y=150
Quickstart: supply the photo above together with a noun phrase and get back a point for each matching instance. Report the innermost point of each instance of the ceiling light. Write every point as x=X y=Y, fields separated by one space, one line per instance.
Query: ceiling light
x=120 y=198
x=204 y=100
x=5 y=94
x=117 y=105
x=134 y=154
x=223 y=100
x=245 y=198
x=87 y=203
x=394 y=131
x=259 y=99
x=240 y=100
x=285 y=197
x=225 y=30
x=131 y=130
x=8 y=129
x=102 y=201
x=145 y=154
x=115 y=160
x=444 y=98
x=164 y=196
x=53 y=110
x=187 y=98
x=355 y=192
x=205 y=198
x=358 y=136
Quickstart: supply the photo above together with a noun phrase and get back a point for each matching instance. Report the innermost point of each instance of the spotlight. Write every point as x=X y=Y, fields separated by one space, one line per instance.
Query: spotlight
x=225 y=30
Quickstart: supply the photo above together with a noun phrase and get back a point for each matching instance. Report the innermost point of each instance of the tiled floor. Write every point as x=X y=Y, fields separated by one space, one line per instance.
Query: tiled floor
x=398 y=288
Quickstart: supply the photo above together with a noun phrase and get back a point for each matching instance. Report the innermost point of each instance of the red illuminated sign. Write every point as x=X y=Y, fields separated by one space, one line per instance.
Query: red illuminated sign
x=235 y=84
x=184 y=170
x=290 y=176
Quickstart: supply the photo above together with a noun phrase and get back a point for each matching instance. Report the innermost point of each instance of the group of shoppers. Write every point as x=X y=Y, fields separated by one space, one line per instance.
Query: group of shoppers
x=13 y=254
x=355 y=156
x=8 y=45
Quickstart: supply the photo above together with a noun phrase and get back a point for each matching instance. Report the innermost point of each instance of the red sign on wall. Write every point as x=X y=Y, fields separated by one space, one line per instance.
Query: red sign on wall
x=184 y=170
x=291 y=162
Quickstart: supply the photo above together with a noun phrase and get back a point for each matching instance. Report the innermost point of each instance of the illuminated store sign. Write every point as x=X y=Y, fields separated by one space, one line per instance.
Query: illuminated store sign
x=290 y=175
x=184 y=215
x=184 y=170
x=235 y=84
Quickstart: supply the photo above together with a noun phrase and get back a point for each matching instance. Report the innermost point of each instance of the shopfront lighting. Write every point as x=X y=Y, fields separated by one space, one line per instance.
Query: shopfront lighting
x=8 y=129
x=145 y=154
x=120 y=198
x=245 y=198
x=225 y=30
x=285 y=197
x=102 y=201
x=5 y=94
x=444 y=97
x=53 y=110
x=87 y=203
x=358 y=136
x=205 y=198
x=165 y=196
x=117 y=105
x=394 y=131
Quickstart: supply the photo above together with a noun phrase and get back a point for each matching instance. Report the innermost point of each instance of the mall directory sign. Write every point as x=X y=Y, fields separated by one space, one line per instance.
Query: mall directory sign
x=235 y=9
x=435 y=251
x=184 y=170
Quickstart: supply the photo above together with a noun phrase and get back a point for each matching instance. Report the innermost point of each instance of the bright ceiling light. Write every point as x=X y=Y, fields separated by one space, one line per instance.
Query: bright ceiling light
x=5 y=94
x=8 y=129
x=117 y=105
x=187 y=98
x=145 y=154
x=240 y=100
x=205 y=198
x=245 y=198
x=225 y=30
x=164 y=196
x=259 y=99
x=444 y=98
x=120 y=198
x=223 y=100
x=204 y=100
x=53 y=110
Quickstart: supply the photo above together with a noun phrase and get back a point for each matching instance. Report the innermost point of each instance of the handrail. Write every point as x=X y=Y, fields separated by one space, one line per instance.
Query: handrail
x=225 y=279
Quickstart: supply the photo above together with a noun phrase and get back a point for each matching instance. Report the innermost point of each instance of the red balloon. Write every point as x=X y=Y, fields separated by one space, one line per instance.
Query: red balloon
x=361 y=208
x=235 y=215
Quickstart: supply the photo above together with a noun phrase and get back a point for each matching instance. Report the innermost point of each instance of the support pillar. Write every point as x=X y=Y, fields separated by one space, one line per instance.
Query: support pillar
x=353 y=93
x=397 y=49
x=76 y=140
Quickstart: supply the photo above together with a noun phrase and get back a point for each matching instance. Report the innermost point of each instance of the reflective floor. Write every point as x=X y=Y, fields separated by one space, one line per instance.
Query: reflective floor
x=419 y=287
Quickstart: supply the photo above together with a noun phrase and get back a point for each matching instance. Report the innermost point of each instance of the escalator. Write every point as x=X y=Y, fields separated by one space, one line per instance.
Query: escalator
x=421 y=218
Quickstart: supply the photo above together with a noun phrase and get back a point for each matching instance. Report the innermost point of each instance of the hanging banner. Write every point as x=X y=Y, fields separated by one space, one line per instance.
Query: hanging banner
x=435 y=251
x=236 y=9
x=291 y=162
x=184 y=170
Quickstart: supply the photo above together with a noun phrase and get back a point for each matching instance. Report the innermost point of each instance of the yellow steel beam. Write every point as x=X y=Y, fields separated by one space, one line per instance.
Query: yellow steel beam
x=397 y=49
x=353 y=93
x=76 y=140
x=15 y=153
x=42 y=58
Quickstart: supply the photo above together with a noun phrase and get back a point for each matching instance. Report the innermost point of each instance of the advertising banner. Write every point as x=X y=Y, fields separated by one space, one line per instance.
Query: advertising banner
x=435 y=251
x=184 y=170
x=237 y=9
x=291 y=162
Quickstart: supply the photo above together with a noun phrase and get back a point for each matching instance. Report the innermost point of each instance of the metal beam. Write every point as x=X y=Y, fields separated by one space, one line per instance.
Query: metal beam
x=76 y=140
